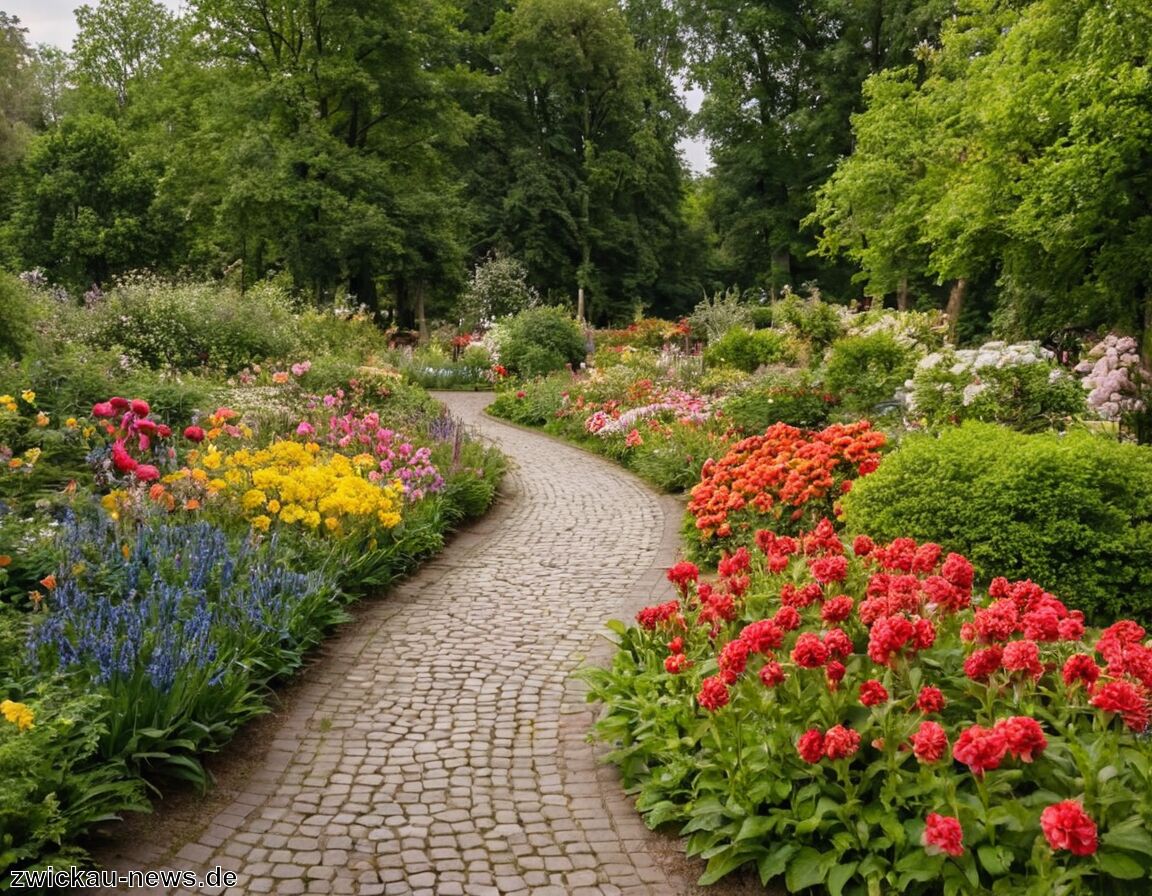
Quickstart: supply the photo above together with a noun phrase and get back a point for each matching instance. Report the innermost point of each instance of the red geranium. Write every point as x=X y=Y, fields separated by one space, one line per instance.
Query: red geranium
x=841 y=742
x=809 y=652
x=762 y=636
x=733 y=660
x=981 y=749
x=982 y=664
x=713 y=693
x=838 y=643
x=943 y=834
x=676 y=663
x=837 y=609
x=772 y=674
x=810 y=746
x=929 y=742
x=140 y=407
x=873 y=693
x=683 y=574
x=1080 y=668
x=194 y=434
x=1023 y=736
x=1023 y=657
x=1067 y=826
x=1126 y=699
x=930 y=700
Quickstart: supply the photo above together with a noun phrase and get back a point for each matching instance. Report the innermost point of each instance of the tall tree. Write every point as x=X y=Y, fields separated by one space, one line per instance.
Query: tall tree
x=19 y=101
x=120 y=43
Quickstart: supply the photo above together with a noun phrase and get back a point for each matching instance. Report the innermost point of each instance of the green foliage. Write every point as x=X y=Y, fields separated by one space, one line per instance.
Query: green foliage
x=540 y=341
x=497 y=288
x=1072 y=512
x=672 y=461
x=813 y=320
x=867 y=370
x=188 y=326
x=748 y=350
x=719 y=313
x=796 y=401
x=535 y=403
x=56 y=788
x=18 y=315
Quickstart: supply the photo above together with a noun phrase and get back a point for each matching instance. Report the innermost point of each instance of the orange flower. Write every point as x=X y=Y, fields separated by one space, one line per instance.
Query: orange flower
x=49 y=581
x=5 y=560
x=192 y=504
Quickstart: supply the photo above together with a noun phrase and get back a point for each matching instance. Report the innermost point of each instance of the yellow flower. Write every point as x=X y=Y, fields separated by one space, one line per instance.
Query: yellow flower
x=29 y=396
x=15 y=463
x=6 y=399
x=71 y=423
x=211 y=460
x=217 y=485
x=32 y=455
x=273 y=506
x=253 y=498
x=18 y=714
x=261 y=523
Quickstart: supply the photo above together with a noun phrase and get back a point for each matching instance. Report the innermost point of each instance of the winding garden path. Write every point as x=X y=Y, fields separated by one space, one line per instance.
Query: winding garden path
x=437 y=746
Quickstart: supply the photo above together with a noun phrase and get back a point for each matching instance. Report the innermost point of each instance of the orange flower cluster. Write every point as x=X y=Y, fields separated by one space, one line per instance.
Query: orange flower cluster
x=786 y=474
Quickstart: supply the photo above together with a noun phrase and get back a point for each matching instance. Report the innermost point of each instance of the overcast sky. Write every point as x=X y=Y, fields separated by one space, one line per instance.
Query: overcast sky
x=53 y=22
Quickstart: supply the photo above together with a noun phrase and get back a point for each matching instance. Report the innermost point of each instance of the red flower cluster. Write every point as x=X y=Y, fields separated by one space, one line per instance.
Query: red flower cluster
x=983 y=749
x=873 y=693
x=929 y=742
x=837 y=742
x=650 y=617
x=943 y=834
x=135 y=433
x=784 y=471
x=1067 y=826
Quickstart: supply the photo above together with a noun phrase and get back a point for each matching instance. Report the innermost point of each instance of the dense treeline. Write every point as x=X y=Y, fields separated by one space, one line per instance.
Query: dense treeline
x=985 y=156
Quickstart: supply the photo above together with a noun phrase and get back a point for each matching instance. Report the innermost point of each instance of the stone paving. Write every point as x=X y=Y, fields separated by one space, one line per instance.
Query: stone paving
x=438 y=745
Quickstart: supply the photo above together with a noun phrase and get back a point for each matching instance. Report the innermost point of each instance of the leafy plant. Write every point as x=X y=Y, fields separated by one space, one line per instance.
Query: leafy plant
x=540 y=341
x=867 y=370
x=747 y=350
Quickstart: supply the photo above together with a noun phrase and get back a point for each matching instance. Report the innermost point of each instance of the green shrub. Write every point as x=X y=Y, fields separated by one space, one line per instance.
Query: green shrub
x=18 y=313
x=540 y=341
x=797 y=403
x=322 y=334
x=673 y=463
x=747 y=350
x=815 y=321
x=189 y=325
x=866 y=370
x=1072 y=512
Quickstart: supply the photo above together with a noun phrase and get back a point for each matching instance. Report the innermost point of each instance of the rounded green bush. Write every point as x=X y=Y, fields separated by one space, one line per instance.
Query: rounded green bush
x=747 y=349
x=797 y=404
x=866 y=370
x=1072 y=512
x=540 y=341
x=17 y=317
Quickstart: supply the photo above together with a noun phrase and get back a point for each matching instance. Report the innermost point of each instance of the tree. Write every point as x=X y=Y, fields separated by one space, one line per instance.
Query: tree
x=120 y=43
x=19 y=106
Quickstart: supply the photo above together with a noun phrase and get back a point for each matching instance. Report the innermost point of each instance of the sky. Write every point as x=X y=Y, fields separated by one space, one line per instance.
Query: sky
x=53 y=22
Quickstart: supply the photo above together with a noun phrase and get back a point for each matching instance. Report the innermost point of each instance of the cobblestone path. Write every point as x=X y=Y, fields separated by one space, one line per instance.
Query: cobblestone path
x=438 y=745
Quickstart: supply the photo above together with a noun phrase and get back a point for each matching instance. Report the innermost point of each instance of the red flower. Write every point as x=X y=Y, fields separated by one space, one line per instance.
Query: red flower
x=841 y=742
x=862 y=545
x=958 y=571
x=772 y=674
x=873 y=693
x=835 y=673
x=683 y=574
x=1024 y=657
x=676 y=645
x=998 y=621
x=1024 y=737
x=829 y=569
x=838 y=643
x=121 y=459
x=1067 y=826
x=103 y=409
x=809 y=651
x=1071 y=629
x=713 y=693
x=982 y=664
x=736 y=563
x=943 y=834
x=676 y=663
x=146 y=473
x=521 y=394
x=148 y=427
x=763 y=636
x=163 y=430
x=650 y=617
x=1080 y=668
x=733 y=660
x=1126 y=699
x=981 y=749
x=926 y=557
x=194 y=434
x=837 y=609
x=118 y=403
x=930 y=700
x=887 y=637
x=140 y=407
x=929 y=742
x=923 y=634
x=788 y=618
x=810 y=746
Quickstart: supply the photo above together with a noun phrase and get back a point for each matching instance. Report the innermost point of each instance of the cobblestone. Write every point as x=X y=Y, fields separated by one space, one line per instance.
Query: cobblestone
x=439 y=744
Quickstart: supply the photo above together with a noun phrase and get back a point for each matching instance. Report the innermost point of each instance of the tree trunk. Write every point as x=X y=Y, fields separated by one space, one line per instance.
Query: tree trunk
x=956 y=304
x=902 y=295
x=781 y=265
x=585 y=215
x=421 y=319
x=362 y=285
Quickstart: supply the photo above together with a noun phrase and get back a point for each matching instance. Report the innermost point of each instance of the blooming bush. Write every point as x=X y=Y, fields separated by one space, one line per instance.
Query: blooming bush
x=785 y=478
x=1116 y=381
x=1018 y=385
x=858 y=718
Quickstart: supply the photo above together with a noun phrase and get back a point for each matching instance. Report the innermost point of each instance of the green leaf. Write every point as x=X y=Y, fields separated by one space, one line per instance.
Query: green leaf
x=722 y=864
x=773 y=864
x=995 y=859
x=805 y=870
x=755 y=827
x=839 y=876
x=1130 y=836
x=1118 y=865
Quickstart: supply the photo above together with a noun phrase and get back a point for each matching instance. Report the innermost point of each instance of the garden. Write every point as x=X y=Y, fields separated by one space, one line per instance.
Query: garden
x=194 y=486
x=908 y=649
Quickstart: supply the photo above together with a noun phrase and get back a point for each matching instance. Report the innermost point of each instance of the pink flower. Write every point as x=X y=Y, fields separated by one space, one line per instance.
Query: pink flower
x=118 y=403
x=305 y=429
x=981 y=749
x=929 y=742
x=140 y=407
x=103 y=409
x=841 y=742
x=713 y=693
x=810 y=746
x=146 y=473
x=194 y=434
x=943 y=834
x=1067 y=826
x=1024 y=737
x=930 y=700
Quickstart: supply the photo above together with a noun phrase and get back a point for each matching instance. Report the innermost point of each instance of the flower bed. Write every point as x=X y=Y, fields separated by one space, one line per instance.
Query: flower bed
x=857 y=718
